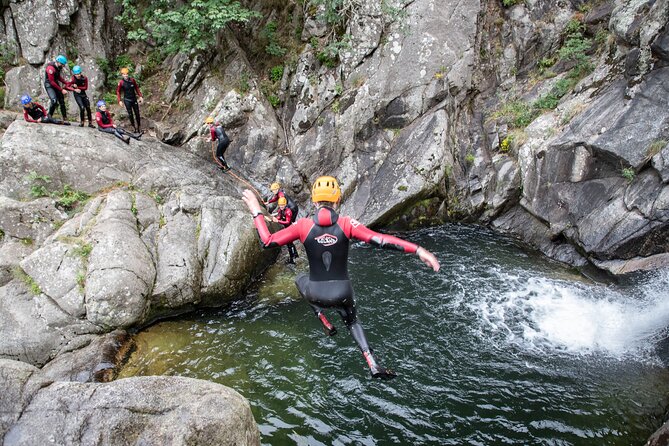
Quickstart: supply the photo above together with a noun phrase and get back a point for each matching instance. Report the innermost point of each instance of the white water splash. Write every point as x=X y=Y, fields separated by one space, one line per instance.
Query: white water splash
x=544 y=313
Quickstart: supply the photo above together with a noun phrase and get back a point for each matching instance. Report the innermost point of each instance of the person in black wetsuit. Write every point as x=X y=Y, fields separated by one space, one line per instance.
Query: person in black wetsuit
x=284 y=216
x=217 y=133
x=52 y=80
x=326 y=238
x=132 y=97
x=34 y=112
x=106 y=124
x=79 y=85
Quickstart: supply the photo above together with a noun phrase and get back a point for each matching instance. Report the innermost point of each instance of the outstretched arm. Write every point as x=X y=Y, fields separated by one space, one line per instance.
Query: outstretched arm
x=283 y=237
x=363 y=233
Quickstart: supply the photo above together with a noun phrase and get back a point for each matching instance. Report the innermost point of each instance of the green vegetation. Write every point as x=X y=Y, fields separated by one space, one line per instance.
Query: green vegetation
x=181 y=26
x=505 y=145
x=22 y=276
x=517 y=113
x=27 y=241
x=336 y=107
x=67 y=198
x=628 y=173
x=81 y=280
x=575 y=49
x=82 y=250
x=402 y=188
x=2 y=234
x=6 y=62
x=470 y=158
x=269 y=33
x=509 y=3
x=276 y=73
x=156 y=197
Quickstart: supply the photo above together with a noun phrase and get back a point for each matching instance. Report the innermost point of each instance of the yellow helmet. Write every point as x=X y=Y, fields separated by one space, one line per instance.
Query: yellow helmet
x=275 y=187
x=124 y=70
x=325 y=189
x=209 y=120
x=283 y=201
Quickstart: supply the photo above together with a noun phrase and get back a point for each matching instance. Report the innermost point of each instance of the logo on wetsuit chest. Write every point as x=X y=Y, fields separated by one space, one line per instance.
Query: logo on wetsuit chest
x=326 y=239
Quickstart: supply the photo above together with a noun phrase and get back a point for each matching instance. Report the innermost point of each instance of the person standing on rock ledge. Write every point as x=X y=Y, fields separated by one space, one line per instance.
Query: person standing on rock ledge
x=52 y=80
x=284 y=216
x=217 y=133
x=326 y=237
x=106 y=124
x=79 y=85
x=132 y=97
x=34 y=112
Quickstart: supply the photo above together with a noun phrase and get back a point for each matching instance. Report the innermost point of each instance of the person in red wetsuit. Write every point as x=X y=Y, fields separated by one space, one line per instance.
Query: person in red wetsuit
x=326 y=237
x=132 y=97
x=79 y=84
x=277 y=194
x=34 y=112
x=284 y=216
x=52 y=80
x=106 y=124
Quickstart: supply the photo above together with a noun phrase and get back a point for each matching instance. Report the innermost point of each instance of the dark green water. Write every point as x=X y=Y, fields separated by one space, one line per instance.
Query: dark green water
x=500 y=347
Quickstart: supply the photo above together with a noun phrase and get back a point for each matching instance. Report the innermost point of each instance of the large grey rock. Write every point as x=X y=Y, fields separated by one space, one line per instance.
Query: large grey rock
x=31 y=15
x=34 y=328
x=146 y=410
x=21 y=80
x=13 y=378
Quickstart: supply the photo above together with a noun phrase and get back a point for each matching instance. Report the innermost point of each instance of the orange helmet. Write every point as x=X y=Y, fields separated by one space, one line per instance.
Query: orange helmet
x=325 y=189
x=209 y=120
x=275 y=187
x=283 y=201
x=124 y=70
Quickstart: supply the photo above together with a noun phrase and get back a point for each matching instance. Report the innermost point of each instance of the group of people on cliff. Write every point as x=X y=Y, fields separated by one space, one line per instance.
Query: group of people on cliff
x=57 y=87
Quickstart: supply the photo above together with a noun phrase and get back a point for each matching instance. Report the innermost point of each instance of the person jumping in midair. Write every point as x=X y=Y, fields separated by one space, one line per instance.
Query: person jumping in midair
x=326 y=237
x=132 y=97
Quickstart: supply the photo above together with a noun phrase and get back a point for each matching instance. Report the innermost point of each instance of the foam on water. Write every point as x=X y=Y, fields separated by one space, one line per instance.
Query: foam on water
x=545 y=313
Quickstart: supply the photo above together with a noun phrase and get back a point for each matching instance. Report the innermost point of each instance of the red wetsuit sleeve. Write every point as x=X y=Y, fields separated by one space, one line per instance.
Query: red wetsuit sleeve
x=276 y=197
x=98 y=119
x=118 y=91
x=284 y=236
x=134 y=82
x=50 y=75
x=213 y=133
x=361 y=232
x=287 y=217
x=26 y=116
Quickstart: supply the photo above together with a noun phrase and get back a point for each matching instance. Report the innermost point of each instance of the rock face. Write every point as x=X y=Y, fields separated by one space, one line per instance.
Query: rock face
x=162 y=233
x=147 y=410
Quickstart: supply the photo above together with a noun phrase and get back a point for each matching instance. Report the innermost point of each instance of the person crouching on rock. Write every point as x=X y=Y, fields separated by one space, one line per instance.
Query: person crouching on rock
x=79 y=84
x=326 y=237
x=34 y=112
x=106 y=124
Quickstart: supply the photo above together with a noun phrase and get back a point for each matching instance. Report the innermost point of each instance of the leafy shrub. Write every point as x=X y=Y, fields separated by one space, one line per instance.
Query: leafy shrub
x=182 y=26
x=276 y=73
x=272 y=48
x=274 y=100
x=628 y=173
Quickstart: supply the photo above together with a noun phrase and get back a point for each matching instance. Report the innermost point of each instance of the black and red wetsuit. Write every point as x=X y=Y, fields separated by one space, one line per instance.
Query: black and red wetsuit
x=52 y=80
x=285 y=218
x=37 y=113
x=326 y=237
x=81 y=84
x=289 y=202
x=218 y=134
x=131 y=95
x=106 y=124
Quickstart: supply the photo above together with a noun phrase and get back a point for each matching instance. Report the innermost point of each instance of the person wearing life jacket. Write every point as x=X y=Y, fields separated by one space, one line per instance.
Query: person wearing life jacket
x=132 y=97
x=326 y=237
x=284 y=217
x=34 y=112
x=52 y=80
x=278 y=193
x=220 y=138
x=106 y=124
x=79 y=84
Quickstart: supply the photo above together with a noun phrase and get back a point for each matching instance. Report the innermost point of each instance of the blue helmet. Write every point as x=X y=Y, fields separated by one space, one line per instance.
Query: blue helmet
x=25 y=99
x=61 y=59
x=100 y=103
x=76 y=69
